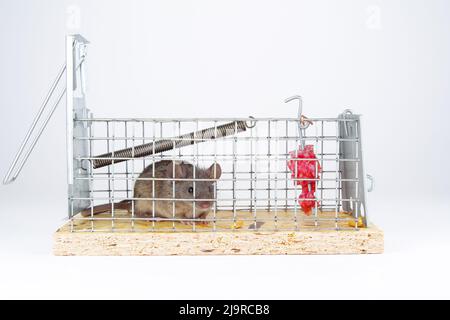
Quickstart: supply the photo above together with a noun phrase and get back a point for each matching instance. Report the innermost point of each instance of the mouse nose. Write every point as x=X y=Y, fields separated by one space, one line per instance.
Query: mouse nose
x=204 y=204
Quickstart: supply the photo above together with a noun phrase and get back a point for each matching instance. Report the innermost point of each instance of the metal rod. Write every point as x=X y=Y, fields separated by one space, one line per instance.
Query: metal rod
x=249 y=119
x=36 y=138
x=200 y=200
x=10 y=177
x=192 y=140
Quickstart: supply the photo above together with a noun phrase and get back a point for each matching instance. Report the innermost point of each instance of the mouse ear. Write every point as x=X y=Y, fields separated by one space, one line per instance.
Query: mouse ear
x=215 y=171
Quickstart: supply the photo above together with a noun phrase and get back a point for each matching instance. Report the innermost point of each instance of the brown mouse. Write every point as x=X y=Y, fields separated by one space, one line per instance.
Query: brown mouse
x=184 y=189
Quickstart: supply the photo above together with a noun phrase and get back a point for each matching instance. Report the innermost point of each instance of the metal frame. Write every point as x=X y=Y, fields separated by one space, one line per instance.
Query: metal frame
x=254 y=178
x=76 y=47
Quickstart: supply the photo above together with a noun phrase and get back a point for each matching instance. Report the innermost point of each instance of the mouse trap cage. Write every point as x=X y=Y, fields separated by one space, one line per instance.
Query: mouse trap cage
x=287 y=185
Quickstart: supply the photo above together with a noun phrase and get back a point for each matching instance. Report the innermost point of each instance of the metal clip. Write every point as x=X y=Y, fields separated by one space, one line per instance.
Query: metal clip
x=252 y=123
x=345 y=113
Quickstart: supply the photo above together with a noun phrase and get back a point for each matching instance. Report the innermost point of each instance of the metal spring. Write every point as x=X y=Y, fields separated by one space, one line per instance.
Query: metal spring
x=165 y=145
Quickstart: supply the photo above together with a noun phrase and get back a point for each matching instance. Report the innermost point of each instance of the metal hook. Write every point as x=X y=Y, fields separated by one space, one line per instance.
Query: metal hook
x=303 y=122
x=253 y=123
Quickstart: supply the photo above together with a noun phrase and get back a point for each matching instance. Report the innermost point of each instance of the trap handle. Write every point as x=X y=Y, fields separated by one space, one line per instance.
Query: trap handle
x=28 y=145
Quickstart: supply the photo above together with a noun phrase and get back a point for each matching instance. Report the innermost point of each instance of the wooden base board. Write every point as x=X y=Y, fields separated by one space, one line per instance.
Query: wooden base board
x=87 y=237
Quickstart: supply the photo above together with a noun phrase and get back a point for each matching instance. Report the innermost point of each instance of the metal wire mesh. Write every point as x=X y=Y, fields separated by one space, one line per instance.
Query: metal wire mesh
x=255 y=190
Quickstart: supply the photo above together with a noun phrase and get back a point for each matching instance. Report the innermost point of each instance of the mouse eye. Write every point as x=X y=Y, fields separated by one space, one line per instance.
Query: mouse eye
x=191 y=190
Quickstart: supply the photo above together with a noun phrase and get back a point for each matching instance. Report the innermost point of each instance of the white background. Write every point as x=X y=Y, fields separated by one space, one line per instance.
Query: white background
x=388 y=60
